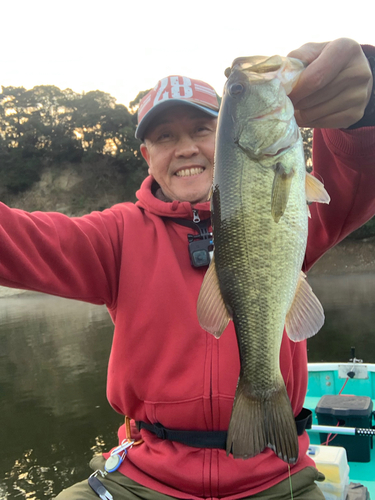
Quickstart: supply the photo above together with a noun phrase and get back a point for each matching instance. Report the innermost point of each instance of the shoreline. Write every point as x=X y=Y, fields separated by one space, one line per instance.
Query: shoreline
x=350 y=257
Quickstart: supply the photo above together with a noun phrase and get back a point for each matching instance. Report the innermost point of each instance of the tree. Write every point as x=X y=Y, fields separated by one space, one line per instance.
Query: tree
x=46 y=125
x=133 y=105
x=307 y=137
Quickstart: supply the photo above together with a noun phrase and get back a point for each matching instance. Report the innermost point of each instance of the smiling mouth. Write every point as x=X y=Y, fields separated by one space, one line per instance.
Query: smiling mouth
x=188 y=172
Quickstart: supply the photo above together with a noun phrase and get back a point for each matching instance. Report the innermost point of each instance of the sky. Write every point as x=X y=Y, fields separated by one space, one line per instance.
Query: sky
x=123 y=47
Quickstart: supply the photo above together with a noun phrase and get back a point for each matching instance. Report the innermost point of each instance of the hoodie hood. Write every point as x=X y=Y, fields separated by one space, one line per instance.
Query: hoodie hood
x=180 y=209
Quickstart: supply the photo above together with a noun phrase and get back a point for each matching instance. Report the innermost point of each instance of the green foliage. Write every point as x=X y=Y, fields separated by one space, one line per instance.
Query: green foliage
x=365 y=231
x=135 y=103
x=307 y=137
x=46 y=125
x=19 y=169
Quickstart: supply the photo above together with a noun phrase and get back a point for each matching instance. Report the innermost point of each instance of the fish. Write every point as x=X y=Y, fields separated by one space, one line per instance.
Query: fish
x=259 y=203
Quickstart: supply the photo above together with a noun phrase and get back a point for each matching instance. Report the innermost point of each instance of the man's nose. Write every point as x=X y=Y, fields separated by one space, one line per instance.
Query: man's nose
x=186 y=146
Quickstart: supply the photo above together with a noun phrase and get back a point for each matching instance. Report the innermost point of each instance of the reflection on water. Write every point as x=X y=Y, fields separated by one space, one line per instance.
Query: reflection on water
x=53 y=360
x=348 y=303
x=54 y=413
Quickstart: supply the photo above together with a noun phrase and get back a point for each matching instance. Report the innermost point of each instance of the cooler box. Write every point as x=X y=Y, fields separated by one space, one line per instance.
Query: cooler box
x=349 y=411
x=333 y=463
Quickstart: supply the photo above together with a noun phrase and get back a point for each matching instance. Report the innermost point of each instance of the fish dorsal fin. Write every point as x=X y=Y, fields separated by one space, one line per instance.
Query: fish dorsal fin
x=305 y=316
x=280 y=190
x=315 y=190
x=212 y=312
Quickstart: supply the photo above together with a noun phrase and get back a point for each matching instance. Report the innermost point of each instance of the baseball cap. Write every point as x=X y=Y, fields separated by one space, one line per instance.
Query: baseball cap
x=174 y=90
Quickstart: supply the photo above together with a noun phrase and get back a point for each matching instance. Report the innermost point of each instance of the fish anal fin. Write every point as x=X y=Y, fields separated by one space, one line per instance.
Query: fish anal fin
x=212 y=313
x=305 y=316
x=315 y=190
x=280 y=191
x=260 y=422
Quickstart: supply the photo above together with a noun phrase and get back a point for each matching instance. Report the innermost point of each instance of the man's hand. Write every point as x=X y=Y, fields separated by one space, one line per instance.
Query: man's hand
x=336 y=86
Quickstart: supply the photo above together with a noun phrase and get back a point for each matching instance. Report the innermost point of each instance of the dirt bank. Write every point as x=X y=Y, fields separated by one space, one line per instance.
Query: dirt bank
x=349 y=257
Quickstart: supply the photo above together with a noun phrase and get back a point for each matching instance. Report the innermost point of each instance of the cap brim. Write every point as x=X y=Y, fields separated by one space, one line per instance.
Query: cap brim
x=162 y=106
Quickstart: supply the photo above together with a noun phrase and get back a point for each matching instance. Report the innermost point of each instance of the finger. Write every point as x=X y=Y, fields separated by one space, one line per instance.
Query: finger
x=336 y=87
x=351 y=78
x=308 y=52
x=341 y=112
x=332 y=59
x=315 y=78
x=338 y=120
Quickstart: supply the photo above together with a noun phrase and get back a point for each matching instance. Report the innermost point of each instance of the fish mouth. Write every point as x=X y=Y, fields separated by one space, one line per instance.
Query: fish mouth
x=278 y=152
x=189 y=171
x=268 y=115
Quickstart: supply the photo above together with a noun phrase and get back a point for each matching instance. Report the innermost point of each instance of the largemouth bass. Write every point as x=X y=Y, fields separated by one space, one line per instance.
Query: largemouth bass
x=260 y=220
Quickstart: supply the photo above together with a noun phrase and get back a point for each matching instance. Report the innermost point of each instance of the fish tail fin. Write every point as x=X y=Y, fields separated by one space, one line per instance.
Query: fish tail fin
x=258 y=422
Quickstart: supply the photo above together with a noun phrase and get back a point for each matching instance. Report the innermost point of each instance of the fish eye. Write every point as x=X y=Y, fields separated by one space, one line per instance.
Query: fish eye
x=236 y=88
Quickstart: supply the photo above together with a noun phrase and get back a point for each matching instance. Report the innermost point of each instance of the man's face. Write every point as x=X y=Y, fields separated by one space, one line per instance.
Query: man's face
x=179 y=149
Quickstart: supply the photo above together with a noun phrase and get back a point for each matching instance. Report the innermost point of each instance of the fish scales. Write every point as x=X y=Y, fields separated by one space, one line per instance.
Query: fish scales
x=248 y=243
x=259 y=217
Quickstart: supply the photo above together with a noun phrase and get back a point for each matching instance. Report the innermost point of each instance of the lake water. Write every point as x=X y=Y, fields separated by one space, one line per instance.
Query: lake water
x=54 y=412
x=53 y=360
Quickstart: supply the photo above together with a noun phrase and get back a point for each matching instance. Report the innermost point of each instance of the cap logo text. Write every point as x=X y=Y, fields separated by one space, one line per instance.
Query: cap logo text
x=178 y=90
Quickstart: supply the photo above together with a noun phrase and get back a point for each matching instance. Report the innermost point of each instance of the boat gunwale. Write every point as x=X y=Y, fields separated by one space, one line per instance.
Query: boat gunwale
x=332 y=366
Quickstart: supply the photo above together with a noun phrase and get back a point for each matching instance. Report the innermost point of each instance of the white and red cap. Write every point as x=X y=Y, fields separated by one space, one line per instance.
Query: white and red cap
x=174 y=90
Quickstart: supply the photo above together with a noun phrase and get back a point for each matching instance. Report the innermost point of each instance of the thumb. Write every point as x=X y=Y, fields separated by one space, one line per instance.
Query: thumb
x=308 y=52
x=306 y=85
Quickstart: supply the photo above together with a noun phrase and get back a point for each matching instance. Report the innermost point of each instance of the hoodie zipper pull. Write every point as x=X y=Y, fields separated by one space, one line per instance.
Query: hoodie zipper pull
x=196 y=217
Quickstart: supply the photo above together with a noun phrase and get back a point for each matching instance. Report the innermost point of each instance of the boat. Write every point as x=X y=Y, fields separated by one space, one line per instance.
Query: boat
x=353 y=382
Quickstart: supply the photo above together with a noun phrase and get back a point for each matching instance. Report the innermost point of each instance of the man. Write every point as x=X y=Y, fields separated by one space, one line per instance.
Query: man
x=164 y=369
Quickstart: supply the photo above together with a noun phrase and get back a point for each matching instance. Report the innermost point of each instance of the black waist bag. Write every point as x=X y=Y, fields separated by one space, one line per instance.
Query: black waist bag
x=213 y=439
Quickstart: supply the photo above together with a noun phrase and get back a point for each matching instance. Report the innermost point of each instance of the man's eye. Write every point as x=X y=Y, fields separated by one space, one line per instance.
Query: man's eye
x=164 y=136
x=203 y=129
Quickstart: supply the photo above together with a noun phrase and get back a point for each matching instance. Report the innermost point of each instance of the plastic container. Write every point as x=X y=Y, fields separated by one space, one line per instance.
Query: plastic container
x=350 y=411
x=333 y=463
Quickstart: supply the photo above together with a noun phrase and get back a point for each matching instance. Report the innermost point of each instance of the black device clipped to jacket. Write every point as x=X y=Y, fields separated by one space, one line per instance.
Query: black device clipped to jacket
x=201 y=245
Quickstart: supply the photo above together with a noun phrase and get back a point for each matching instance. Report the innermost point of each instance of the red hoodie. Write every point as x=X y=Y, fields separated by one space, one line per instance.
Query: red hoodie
x=163 y=367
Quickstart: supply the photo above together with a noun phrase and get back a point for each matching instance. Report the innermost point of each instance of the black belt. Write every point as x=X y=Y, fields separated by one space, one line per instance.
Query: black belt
x=213 y=439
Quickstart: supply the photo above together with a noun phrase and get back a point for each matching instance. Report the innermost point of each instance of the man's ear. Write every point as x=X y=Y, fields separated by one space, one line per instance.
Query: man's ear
x=144 y=152
x=146 y=155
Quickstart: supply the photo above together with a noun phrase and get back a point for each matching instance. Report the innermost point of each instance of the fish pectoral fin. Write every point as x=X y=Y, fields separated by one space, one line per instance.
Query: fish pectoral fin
x=305 y=316
x=315 y=190
x=280 y=191
x=212 y=313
